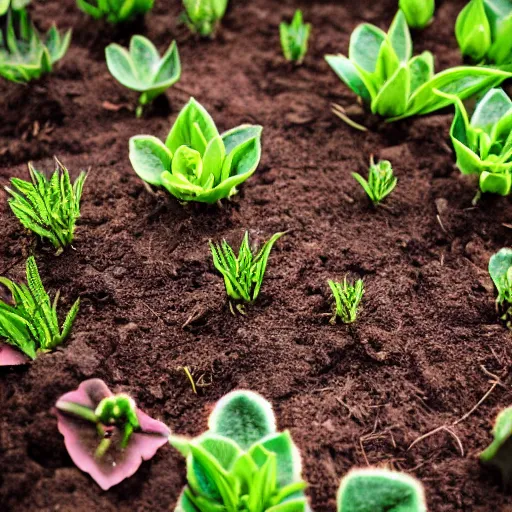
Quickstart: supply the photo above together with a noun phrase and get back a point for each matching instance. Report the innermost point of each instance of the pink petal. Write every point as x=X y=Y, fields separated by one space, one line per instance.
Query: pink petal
x=10 y=356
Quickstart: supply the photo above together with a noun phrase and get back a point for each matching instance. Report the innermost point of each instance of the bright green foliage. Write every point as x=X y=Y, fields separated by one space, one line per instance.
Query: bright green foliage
x=48 y=207
x=381 y=70
x=196 y=163
x=242 y=463
x=347 y=297
x=499 y=452
x=142 y=69
x=203 y=16
x=15 y=5
x=380 y=490
x=500 y=270
x=381 y=180
x=26 y=55
x=32 y=325
x=243 y=274
x=484 y=145
x=115 y=11
x=294 y=38
x=483 y=31
x=418 y=13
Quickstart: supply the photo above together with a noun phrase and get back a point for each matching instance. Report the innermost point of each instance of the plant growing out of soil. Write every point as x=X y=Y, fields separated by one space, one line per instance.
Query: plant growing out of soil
x=25 y=55
x=418 y=13
x=381 y=70
x=243 y=274
x=242 y=462
x=15 y=5
x=498 y=453
x=483 y=31
x=31 y=325
x=294 y=38
x=48 y=207
x=106 y=435
x=141 y=68
x=203 y=16
x=483 y=145
x=381 y=180
x=117 y=11
x=196 y=163
x=500 y=270
x=347 y=297
x=380 y=490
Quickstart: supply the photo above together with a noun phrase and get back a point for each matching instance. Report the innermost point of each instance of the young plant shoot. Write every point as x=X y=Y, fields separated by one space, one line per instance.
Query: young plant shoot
x=48 y=207
x=243 y=274
x=106 y=435
x=381 y=180
x=418 y=13
x=500 y=270
x=31 y=324
x=347 y=297
x=380 y=490
x=196 y=163
x=25 y=55
x=483 y=145
x=140 y=68
x=118 y=11
x=203 y=16
x=393 y=84
x=294 y=38
x=242 y=462
x=483 y=30
x=499 y=453
x=15 y=5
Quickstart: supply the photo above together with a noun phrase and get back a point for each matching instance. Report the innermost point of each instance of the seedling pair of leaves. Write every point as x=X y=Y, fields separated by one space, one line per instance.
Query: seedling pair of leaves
x=242 y=462
x=381 y=180
x=203 y=16
x=196 y=163
x=483 y=31
x=347 y=298
x=141 y=68
x=25 y=55
x=115 y=11
x=294 y=38
x=381 y=70
x=418 y=13
x=48 y=207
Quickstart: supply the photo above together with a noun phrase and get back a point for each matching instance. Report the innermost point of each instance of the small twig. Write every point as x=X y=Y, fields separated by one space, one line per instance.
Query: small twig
x=340 y=112
x=190 y=378
x=438 y=217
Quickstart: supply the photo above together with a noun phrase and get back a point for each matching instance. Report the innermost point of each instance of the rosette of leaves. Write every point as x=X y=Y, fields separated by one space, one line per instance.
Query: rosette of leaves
x=31 y=323
x=381 y=180
x=347 y=298
x=418 y=13
x=141 y=68
x=242 y=462
x=105 y=434
x=196 y=163
x=15 y=5
x=381 y=70
x=380 y=490
x=25 y=55
x=483 y=31
x=115 y=11
x=483 y=144
x=500 y=270
x=294 y=38
x=203 y=16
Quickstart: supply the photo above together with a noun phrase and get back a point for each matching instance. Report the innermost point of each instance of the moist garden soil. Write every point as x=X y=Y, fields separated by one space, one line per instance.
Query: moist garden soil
x=425 y=345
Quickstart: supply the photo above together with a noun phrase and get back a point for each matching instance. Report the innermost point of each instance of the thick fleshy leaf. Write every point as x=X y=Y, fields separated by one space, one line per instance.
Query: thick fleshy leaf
x=348 y=73
x=150 y=158
x=421 y=68
x=365 y=44
x=490 y=109
x=237 y=136
x=499 y=265
x=400 y=37
x=393 y=96
x=418 y=13
x=145 y=58
x=496 y=183
x=188 y=163
x=10 y=356
x=169 y=70
x=500 y=51
x=213 y=159
x=473 y=31
x=122 y=68
x=242 y=161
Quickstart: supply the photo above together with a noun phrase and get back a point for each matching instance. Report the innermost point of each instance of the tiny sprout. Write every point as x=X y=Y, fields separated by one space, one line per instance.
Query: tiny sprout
x=294 y=38
x=118 y=11
x=381 y=180
x=203 y=16
x=473 y=31
x=500 y=270
x=418 y=13
x=347 y=297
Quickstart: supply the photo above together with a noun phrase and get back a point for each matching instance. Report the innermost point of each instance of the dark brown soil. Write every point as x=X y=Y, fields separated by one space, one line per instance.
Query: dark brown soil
x=414 y=361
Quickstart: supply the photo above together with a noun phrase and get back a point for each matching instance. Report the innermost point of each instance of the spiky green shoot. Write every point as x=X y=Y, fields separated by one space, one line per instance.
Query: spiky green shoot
x=294 y=38
x=243 y=274
x=48 y=207
x=203 y=16
x=347 y=297
x=115 y=11
x=381 y=180
x=32 y=324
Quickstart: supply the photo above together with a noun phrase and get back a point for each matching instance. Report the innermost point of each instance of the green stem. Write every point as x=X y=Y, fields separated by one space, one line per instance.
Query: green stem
x=78 y=410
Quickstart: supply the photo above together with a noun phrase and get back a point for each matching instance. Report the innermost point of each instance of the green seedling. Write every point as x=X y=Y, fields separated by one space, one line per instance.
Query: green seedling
x=483 y=30
x=393 y=84
x=203 y=16
x=347 y=297
x=294 y=38
x=418 y=13
x=141 y=68
x=15 y=5
x=32 y=324
x=242 y=463
x=381 y=180
x=48 y=207
x=500 y=270
x=243 y=274
x=115 y=11
x=25 y=55
x=196 y=163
